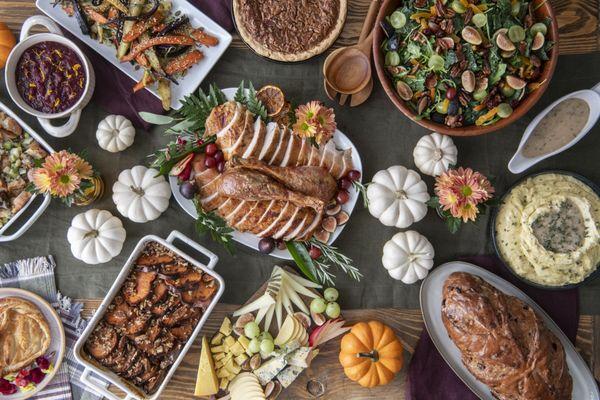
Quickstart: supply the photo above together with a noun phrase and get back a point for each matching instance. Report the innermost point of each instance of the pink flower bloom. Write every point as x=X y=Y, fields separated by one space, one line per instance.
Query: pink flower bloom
x=461 y=190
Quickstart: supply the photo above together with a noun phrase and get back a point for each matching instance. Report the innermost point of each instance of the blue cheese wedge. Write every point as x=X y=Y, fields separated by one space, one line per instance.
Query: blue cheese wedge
x=269 y=370
x=289 y=375
x=299 y=357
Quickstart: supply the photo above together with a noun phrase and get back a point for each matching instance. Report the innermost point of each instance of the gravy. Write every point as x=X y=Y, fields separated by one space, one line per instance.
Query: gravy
x=557 y=128
x=561 y=231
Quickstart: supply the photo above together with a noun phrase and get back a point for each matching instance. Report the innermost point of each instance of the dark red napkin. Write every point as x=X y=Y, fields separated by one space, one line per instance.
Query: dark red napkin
x=430 y=378
x=113 y=88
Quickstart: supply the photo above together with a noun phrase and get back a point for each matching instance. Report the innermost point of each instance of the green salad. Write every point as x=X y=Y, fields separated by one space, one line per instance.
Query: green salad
x=465 y=62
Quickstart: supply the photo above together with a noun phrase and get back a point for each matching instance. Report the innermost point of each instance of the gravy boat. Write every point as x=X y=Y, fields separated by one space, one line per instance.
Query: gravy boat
x=519 y=163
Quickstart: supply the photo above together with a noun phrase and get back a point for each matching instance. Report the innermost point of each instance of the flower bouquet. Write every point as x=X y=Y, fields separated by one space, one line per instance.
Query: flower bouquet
x=66 y=176
x=460 y=196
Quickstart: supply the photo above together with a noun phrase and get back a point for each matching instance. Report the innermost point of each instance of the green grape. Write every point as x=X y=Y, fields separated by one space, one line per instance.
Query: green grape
x=267 y=346
x=392 y=58
x=480 y=94
x=254 y=346
x=318 y=305
x=516 y=33
x=458 y=7
x=333 y=310
x=506 y=90
x=251 y=330
x=265 y=336
x=397 y=19
x=331 y=294
x=515 y=8
x=442 y=106
x=436 y=62
x=538 y=27
x=480 y=20
x=504 y=110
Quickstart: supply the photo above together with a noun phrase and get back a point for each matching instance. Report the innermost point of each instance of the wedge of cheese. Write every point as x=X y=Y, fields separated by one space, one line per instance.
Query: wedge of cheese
x=207 y=382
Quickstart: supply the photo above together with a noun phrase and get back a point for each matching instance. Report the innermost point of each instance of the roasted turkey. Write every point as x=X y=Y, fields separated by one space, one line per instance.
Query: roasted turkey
x=276 y=184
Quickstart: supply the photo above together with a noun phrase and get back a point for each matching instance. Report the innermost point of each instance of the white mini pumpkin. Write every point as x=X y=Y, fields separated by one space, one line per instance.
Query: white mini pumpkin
x=434 y=154
x=115 y=133
x=408 y=256
x=397 y=196
x=140 y=194
x=96 y=236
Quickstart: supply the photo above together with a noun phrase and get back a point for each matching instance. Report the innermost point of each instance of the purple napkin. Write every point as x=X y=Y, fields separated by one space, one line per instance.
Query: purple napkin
x=113 y=90
x=430 y=378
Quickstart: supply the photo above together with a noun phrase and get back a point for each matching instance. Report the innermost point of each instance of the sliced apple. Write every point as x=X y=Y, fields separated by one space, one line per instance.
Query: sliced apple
x=286 y=331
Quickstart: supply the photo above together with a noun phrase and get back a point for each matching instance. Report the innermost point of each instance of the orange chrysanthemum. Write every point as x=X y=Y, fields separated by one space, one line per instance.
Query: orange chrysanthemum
x=461 y=190
x=61 y=174
x=42 y=180
x=314 y=120
x=65 y=183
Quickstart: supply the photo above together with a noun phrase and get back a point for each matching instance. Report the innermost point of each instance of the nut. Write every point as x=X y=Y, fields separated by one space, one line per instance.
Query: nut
x=255 y=362
x=515 y=83
x=504 y=42
x=404 y=91
x=482 y=84
x=468 y=81
x=303 y=319
x=238 y=328
x=329 y=224
x=471 y=35
x=322 y=235
x=538 y=41
x=333 y=209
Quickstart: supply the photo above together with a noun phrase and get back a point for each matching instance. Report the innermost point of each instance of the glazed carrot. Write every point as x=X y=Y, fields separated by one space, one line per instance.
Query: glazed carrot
x=113 y=13
x=183 y=62
x=95 y=16
x=142 y=60
x=479 y=107
x=175 y=39
x=143 y=26
x=204 y=38
x=159 y=27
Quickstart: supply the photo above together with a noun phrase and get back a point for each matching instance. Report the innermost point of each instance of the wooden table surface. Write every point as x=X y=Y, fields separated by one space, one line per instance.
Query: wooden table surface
x=579 y=34
x=325 y=369
x=577 y=19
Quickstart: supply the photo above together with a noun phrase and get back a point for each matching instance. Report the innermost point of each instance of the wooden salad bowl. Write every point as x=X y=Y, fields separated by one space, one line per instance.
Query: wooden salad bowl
x=544 y=10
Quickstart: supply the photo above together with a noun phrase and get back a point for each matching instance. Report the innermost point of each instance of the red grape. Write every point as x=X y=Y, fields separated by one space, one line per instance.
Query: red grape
x=211 y=149
x=344 y=183
x=266 y=245
x=210 y=162
x=221 y=166
x=354 y=175
x=219 y=156
x=314 y=252
x=342 y=197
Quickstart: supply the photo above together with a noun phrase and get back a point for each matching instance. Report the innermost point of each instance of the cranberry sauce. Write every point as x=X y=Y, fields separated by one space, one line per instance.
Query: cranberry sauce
x=50 y=77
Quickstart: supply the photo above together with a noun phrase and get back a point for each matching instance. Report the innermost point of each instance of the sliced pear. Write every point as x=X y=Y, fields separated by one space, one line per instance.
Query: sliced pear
x=286 y=331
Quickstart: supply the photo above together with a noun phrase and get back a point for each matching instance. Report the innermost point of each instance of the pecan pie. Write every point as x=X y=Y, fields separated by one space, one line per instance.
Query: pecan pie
x=151 y=318
x=289 y=30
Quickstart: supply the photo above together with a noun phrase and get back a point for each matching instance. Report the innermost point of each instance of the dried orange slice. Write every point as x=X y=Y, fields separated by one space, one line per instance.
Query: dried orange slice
x=272 y=98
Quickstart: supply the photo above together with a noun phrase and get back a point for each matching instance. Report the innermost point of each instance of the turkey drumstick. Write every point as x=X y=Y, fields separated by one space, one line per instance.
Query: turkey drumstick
x=309 y=180
x=245 y=184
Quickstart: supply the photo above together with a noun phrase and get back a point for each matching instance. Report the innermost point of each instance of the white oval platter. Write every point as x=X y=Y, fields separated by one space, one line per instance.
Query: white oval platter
x=57 y=342
x=247 y=239
x=584 y=386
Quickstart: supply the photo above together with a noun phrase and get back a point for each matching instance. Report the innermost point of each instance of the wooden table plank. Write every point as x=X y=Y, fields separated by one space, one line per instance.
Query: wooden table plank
x=325 y=369
x=577 y=20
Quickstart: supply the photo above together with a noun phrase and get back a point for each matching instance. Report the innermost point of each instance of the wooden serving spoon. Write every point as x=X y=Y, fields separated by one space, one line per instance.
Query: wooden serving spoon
x=348 y=70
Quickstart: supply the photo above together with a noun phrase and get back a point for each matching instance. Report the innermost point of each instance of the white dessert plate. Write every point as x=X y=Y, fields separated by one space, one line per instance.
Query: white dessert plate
x=519 y=163
x=584 y=385
x=247 y=239
x=57 y=343
x=193 y=77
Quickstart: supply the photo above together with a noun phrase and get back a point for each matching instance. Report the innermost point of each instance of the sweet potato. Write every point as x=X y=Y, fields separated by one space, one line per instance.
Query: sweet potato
x=102 y=341
x=135 y=291
x=202 y=292
x=159 y=292
x=173 y=269
x=189 y=278
x=151 y=260
x=180 y=314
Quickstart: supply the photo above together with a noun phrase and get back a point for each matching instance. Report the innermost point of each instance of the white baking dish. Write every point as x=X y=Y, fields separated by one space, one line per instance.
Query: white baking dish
x=25 y=224
x=131 y=391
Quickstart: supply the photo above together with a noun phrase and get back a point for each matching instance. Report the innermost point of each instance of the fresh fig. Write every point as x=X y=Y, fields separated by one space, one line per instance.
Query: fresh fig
x=241 y=322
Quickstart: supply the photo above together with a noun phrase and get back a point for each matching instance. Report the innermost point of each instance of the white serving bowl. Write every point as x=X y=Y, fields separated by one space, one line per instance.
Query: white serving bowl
x=25 y=42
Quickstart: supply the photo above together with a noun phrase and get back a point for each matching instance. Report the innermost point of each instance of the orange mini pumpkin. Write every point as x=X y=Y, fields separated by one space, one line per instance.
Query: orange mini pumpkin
x=7 y=42
x=371 y=354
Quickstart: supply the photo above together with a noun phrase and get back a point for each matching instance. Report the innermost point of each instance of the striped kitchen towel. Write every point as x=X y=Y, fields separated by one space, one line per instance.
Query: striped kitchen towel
x=37 y=275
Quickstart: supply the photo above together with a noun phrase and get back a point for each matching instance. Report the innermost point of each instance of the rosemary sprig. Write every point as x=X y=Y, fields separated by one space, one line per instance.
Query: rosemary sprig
x=166 y=158
x=362 y=191
x=209 y=222
x=331 y=256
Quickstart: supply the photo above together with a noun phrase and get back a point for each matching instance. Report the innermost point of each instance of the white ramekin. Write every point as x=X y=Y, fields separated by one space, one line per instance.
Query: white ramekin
x=25 y=42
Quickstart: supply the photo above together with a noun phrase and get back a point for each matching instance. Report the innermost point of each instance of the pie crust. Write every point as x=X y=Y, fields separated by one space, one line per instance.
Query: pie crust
x=278 y=55
x=24 y=334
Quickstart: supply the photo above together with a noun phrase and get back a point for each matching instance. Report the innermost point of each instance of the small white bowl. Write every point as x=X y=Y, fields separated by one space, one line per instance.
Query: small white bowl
x=25 y=42
x=519 y=163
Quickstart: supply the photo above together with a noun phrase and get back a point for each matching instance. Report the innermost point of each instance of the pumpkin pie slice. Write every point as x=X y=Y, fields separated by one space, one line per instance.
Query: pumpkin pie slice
x=289 y=30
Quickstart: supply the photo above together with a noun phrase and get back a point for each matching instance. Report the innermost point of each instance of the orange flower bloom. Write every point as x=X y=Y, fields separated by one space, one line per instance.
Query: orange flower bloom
x=61 y=174
x=41 y=179
x=65 y=183
x=314 y=120
x=461 y=190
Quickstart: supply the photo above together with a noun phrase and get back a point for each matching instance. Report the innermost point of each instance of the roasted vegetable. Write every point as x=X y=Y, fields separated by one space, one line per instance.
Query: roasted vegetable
x=142 y=26
x=81 y=20
x=175 y=39
x=135 y=9
x=183 y=62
